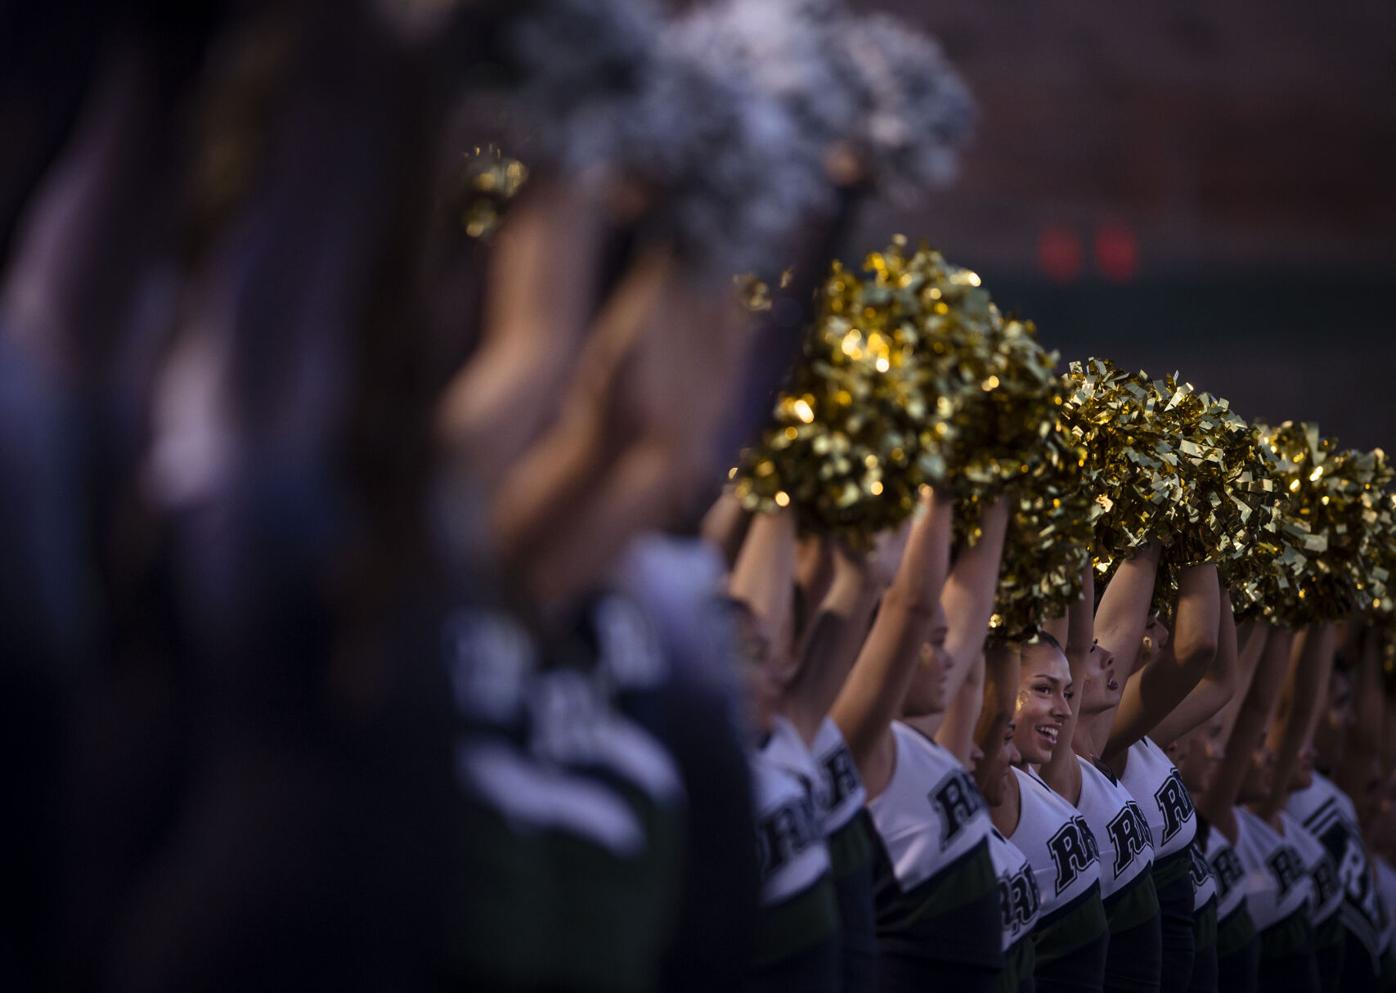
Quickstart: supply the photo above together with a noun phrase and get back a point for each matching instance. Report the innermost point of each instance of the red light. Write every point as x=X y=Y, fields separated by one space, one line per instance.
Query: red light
x=1059 y=253
x=1116 y=252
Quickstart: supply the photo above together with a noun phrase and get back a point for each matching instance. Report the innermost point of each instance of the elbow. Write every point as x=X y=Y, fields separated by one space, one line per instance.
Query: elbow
x=1196 y=655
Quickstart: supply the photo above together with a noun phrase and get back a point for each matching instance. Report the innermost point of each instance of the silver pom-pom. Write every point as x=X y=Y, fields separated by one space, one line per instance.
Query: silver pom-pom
x=578 y=68
x=918 y=112
x=725 y=154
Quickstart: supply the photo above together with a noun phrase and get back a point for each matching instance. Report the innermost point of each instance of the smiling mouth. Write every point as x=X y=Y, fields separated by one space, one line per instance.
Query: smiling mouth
x=1048 y=731
x=1112 y=684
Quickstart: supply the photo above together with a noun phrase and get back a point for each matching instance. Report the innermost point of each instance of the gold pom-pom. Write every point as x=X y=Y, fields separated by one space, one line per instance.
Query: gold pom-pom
x=1048 y=541
x=853 y=436
x=489 y=180
x=1330 y=508
x=910 y=376
x=1170 y=464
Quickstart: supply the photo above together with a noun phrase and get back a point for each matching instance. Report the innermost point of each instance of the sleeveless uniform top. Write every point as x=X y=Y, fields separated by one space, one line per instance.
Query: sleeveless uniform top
x=1328 y=814
x=1277 y=884
x=1227 y=872
x=1018 y=892
x=1020 y=903
x=1204 y=884
x=1062 y=850
x=798 y=911
x=1326 y=896
x=935 y=890
x=1168 y=809
x=848 y=833
x=1235 y=929
x=1386 y=887
x=842 y=801
x=1126 y=848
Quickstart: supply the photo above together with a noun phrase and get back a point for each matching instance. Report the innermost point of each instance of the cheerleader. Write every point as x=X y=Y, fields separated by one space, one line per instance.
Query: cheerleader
x=1177 y=680
x=1019 y=898
x=1072 y=934
x=1126 y=881
x=1327 y=811
x=938 y=914
x=1276 y=884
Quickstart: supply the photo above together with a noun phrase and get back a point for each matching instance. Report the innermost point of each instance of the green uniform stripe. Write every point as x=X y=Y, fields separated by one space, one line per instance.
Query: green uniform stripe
x=1204 y=926
x=1136 y=903
x=1291 y=936
x=851 y=846
x=1078 y=923
x=1330 y=932
x=1236 y=931
x=806 y=919
x=1172 y=868
x=1018 y=964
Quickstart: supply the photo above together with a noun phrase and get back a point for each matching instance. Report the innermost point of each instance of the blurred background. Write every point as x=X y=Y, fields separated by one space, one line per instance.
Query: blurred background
x=1206 y=187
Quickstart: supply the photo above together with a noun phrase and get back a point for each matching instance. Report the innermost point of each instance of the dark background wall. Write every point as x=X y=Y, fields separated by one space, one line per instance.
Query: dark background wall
x=1207 y=187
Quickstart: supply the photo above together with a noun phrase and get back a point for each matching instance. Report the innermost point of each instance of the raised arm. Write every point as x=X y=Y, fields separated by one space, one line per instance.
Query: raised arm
x=832 y=640
x=956 y=734
x=1217 y=686
x=1251 y=719
x=873 y=693
x=1305 y=691
x=1063 y=773
x=724 y=526
x=1124 y=607
x=1151 y=694
x=967 y=603
x=764 y=576
x=1364 y=736
x=968 y=598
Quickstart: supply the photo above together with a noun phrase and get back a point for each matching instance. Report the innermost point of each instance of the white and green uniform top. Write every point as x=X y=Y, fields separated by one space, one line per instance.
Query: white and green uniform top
x=840 y=790
x=1228 y=874
x=1204 y=884
x=1277 y=882
x=1168 y=809
x=1326 y=896
x=930 y=815
x=1018 y=893
x=934 y=889
x=1386 y=887
x=789 y=830
x=1121 y=832
x=1329 y=815
x=1058 y=843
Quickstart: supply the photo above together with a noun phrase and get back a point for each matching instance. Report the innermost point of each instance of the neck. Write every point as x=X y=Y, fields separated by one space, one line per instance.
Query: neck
x=1092 y=732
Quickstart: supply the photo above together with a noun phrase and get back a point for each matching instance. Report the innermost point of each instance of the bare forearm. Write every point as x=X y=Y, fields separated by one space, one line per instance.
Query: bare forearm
x=1124 y=607
x=1212 y=693
x=1251 y=721
x=873 y=693
x=969 y=596
x=764 y=576
x=1312 y=664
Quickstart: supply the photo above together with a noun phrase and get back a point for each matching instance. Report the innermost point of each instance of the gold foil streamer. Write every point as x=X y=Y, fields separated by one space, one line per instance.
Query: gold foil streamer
x=909 y=376
x=1172 y=464
x=1048 y=541
x=489 y=180
x=1335 y=546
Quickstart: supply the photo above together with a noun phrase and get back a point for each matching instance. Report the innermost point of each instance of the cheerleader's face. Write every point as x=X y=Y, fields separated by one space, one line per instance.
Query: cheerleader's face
x=1044 y=694
x=926 y=694
x=1330 y=734
x=992 y=775
x=1103 y=686
x=1304 y=771
x=1198 y=755
x=1260 y=775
